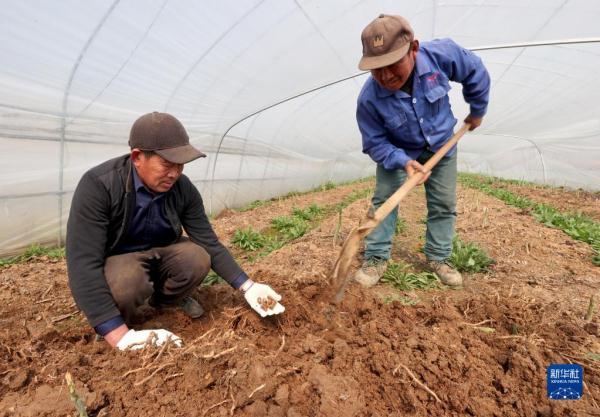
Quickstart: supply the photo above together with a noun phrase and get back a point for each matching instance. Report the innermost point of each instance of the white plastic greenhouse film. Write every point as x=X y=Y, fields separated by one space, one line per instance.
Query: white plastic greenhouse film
x=75 y=76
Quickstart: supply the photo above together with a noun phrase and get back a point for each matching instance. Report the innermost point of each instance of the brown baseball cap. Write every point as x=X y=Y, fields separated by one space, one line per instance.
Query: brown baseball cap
x=165 y=135
x=385 y=41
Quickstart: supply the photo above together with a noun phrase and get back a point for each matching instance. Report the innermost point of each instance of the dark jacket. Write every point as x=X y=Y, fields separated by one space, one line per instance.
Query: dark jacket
x=99 y=217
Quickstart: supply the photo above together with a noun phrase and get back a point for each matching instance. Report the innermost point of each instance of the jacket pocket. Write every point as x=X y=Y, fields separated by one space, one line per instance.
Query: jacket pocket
x=436 y=97
x=395 y=122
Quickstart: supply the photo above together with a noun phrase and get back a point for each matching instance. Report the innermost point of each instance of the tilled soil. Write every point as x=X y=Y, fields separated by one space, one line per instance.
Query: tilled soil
x=367 y=356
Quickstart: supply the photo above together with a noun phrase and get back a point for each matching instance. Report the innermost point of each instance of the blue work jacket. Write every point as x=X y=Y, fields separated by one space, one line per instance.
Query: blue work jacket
x=396 y=127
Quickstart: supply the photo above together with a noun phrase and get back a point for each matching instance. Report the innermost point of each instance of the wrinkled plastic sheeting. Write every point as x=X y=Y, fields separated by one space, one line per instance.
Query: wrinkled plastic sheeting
x=240 y=76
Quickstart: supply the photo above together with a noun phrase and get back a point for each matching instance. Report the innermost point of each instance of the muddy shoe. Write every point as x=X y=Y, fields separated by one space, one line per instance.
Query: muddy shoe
x=188 y=304
x=191 y=307
x=446 y=272
x=371 y=272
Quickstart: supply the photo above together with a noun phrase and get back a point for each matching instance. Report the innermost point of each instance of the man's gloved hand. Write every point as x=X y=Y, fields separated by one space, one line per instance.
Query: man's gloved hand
x=263 y=299
x=134 y=340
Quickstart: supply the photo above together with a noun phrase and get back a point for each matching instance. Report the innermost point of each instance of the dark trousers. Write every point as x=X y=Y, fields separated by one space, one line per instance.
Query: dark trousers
x=167 y=274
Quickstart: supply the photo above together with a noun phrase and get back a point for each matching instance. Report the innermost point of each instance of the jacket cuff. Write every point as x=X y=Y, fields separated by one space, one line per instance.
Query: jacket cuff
x=401 y=160
x=477 y=112
x=237 y=283
x=109 y=325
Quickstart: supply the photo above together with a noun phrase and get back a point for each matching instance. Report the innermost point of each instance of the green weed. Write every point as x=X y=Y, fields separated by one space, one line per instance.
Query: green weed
x=596 y=258
x=290 y=195
x=35 y=251
x=400 y=226
x=308 y=213
x=352 y=197
x=290 y=227
x=248 y=239
x=329 y=185
x=576 y=225
x=255 y=204
x=468 y=257
x=399 y=276
x=212 y=279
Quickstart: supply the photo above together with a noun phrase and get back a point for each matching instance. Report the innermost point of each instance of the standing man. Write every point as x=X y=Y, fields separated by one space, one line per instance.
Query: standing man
x=124 y=237
x=404 y=116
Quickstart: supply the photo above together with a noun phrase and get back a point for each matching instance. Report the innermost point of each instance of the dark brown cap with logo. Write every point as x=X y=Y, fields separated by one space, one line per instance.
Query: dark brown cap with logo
x=165 y=135
x=385 y=41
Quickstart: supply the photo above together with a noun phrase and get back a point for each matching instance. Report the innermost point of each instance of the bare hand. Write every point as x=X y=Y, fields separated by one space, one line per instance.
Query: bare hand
x=475 y=122
x=412 y=167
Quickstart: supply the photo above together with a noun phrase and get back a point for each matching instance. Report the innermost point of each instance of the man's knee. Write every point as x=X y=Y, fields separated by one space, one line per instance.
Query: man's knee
x=194 y=262
x=128 y=279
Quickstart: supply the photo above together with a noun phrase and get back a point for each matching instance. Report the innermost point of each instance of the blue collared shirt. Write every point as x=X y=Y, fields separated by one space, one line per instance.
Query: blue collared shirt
x=396 y=127
x=149 y=226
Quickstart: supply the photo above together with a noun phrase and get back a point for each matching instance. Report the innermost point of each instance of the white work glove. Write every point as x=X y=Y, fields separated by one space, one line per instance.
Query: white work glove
x=140 y=339
x=259 y=295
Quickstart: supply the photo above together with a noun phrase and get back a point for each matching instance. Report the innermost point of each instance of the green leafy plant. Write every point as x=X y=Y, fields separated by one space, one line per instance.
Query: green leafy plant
x=329 y=185
x=401 y=277
x=400 y=226
x=212 y=279
x=596 y=258
x=468 y=257
x=309 y=213
x=290 y=227
x=352 y=197
x=255 y=204
x=35 y=251
x=576 y=225
x=290 y=194
x=248 y=239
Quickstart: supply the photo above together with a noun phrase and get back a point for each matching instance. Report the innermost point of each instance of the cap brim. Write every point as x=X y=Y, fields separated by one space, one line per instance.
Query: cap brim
x=373 y=62
x=180 y=154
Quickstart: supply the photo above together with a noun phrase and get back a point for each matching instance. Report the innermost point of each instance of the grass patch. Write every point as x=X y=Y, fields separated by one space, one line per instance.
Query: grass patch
x=401 y=277
x=468 y=257
x=35 y=251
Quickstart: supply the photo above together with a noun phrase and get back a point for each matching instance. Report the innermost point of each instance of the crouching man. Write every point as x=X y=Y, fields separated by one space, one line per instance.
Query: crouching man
x=124 y=237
